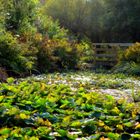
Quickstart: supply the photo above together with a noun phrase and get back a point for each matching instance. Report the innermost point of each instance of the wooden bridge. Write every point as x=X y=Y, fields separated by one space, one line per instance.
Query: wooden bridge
x=106 y=54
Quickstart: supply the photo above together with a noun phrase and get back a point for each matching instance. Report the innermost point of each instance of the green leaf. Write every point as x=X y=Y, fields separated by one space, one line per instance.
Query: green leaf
x=128 y=124
x=62 y=132
x=5 y=131
x=113 y=136
x=33 y=138
x=10 y=80
x=1 y=98
x=76 y=124
x=136 y=136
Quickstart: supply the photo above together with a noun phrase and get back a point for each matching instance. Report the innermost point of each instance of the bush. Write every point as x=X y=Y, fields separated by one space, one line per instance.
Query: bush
x=129 y=62
x=14 y=56
x=85 y=51
x=51 y=28
x=56 y=55
x=133 y=53
x=33 y=41
x=128 y=68
x=9 y=51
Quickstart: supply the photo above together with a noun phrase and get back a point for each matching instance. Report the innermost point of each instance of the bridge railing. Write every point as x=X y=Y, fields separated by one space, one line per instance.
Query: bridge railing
x=106 y=54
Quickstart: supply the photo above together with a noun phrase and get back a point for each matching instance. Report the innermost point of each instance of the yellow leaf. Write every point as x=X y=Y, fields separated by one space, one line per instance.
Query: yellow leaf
x=67 y=119
x=138 y=126
x=119 y=127
x=23 y=116
x=115 y=111
x=107 y=128
x=120 y=101
x=47 y=123
x=34 y=138
x=101 y=123
x=76 y=124
x=134 y=113
x=1 y=98
x=43 y=86
x=40 y=121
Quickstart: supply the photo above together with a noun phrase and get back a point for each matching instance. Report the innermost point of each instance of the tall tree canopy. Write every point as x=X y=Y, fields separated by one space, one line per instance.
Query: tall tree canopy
x=102 y=21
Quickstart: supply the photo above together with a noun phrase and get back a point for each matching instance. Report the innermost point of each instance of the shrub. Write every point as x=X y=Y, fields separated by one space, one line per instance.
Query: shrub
x=86 y=56
x=67 y=55
x=85 y=52
x=28 y=57
x=130 y=60
x=52 y=28
x=8 y=50
x=14 y=56
x=56 y=55
x=128 y=68
x=133 y=53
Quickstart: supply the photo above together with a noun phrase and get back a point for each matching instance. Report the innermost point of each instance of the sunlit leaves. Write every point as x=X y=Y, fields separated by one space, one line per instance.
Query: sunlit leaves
x=1 y=98
x=43 y=131
x=76 y=124
x=23 y=116
x=12 y=111
x=10 y=80
x=115 y=111
x=4 y=131
x=113 y=136
x=41 y=111
x=138 y=126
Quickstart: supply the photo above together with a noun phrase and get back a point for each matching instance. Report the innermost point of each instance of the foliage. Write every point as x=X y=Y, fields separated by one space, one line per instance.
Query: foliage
x=17 y=52
x=100 y=20
x=88 y=79
x=130 y=68
x=35 y=110
x=85 y=51
x=34 y=41
x=121 y=20
x=130 y=60
x=47 y=26
x=132 y=53
x=57 y=54
x=2 y=17
x=9 y=51
x=13 y=54
x=21 y=16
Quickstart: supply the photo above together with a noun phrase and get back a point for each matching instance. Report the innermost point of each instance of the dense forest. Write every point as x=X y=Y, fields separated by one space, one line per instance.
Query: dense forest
x=100 y=20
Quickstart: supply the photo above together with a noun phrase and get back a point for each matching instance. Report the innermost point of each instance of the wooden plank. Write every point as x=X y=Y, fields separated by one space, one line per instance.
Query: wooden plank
x=105 y=49
x=105 y=55
x=102 y=63
x=113 y=44
x=106 y=52
x=105 y=63
x=108 y=61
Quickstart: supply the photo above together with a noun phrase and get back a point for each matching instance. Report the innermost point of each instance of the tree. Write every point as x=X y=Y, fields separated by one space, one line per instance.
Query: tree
x=21 y=15
x=122 y=20
x=101 y=21
x=72 y=14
